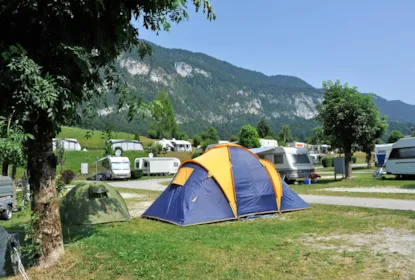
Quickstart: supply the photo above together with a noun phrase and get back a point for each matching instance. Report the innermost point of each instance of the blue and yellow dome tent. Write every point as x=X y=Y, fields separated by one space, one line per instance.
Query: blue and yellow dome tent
x=226 y=183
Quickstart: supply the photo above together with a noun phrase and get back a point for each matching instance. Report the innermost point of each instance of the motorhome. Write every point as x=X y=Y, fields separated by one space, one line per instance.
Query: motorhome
x=401 y=161
x=297 y=145
x=382 y=153
x=291 y=163
x=116 y=167
x=157 y=165
x=6 y=197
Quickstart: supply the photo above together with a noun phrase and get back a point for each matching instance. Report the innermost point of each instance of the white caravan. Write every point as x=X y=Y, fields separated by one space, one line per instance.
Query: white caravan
x=114 y=167
x=291 y=163
x=268 y=142
x=401 y=161
x=157 y=165
x=6 y=197
x=382 y=153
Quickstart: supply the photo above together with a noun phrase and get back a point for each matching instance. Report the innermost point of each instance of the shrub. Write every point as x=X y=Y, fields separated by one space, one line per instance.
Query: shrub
x=233 y=139
x=68 y=176
x=195 y=155
x=136 y=173
x=137 y=136
x=354 y=159
x=327 y=161
x=152 y=134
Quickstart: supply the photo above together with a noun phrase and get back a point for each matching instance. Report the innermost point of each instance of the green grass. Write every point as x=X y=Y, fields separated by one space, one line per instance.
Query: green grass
x=96 y=142
x=269 y=248
x=359 y=180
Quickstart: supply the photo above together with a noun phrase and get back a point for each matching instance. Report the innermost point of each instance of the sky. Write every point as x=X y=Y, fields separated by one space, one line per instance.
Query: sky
x=367 y=43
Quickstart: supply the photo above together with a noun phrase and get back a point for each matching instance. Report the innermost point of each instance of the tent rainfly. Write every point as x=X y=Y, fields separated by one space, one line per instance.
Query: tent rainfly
x=226 y=183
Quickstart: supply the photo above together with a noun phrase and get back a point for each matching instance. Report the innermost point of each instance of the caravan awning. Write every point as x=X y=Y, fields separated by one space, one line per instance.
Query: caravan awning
x=261 y=149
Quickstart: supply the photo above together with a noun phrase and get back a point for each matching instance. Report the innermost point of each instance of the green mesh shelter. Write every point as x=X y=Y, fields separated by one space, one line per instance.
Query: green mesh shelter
x=93 y=203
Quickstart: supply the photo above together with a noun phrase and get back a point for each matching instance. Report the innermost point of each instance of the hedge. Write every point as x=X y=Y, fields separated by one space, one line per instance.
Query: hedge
x=327 y=162
x=136 y=173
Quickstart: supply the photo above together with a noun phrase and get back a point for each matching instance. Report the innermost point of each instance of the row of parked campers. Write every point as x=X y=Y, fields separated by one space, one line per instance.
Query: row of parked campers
x=6 y=197
x=114 y=167
x=398 y=158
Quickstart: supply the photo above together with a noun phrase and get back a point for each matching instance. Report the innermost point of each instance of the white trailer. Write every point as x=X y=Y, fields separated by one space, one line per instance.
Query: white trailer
x=401 y=161
x=382 y=153
x=69 y=144
x=268 y=142
x=6 y=197
x=291 y=163
x=115 y=167
x=157 y=165
x=297 y=145
x=126 y=145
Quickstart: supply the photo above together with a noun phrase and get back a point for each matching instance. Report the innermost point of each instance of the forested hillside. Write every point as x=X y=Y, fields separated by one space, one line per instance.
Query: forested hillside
x=205 y=91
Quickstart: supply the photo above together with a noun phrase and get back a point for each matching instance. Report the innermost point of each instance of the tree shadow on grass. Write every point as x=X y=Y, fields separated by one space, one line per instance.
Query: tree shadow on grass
x=408 y=186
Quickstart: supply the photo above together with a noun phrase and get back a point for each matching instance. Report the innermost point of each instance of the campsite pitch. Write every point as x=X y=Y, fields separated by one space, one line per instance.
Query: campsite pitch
x=325 y=242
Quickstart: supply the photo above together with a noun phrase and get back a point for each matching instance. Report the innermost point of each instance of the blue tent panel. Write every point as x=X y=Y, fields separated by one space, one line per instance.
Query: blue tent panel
x=200 y=200
x=291 y=200
x=253 y=186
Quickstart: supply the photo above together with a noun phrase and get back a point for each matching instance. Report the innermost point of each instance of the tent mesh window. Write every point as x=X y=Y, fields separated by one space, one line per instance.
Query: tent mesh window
x=97 y=192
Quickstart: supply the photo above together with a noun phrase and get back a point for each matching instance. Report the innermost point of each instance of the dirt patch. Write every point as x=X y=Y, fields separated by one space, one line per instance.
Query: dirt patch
x=132 y=195
x=394 y=246
x=137 y=209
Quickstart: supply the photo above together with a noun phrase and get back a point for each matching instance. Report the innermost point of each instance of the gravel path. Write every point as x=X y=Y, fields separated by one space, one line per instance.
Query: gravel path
x=393 y=204
x=371 y=190
x=152 y=185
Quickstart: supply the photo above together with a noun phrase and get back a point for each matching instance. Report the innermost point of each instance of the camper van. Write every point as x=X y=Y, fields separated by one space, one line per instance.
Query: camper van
x=6 y=197
x=291 y=163
x=115 y=167
x=382 y=153
x=401 y=161
x=157 y=165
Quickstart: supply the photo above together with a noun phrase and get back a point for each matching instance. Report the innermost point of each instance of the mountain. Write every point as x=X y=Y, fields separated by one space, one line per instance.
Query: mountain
x=206 y=91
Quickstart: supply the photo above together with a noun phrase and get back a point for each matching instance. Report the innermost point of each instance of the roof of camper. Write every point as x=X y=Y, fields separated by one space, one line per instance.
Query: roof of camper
x=124 y=140
x=180 y=141
x=405 y=142
x=270 y=148
x=65 y=139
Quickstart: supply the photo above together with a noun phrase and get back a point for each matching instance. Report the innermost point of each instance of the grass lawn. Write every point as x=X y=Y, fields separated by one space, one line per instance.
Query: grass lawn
x=298 y=245
x=96 y=142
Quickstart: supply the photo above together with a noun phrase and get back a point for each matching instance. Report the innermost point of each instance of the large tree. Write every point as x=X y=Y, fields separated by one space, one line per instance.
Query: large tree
x=57 y=55
x=263 y=129
x=350 y=119
x=162 y=113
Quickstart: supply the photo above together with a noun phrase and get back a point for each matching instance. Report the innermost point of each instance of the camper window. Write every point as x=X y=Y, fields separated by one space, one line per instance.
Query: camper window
x=278 y=159
x=301 y=159
x=145 y=164
x=120 y=166
x=403 y=153
x=176 y=164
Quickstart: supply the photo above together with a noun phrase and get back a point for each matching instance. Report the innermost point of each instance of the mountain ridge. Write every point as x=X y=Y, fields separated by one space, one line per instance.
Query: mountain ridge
x=207 y=91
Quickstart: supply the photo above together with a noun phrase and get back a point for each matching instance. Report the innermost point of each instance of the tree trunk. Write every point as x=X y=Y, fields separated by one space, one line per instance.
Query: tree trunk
x=348 y=163
x=368 y=159
x=45 y=205
x=5 y=168
x=14 y=171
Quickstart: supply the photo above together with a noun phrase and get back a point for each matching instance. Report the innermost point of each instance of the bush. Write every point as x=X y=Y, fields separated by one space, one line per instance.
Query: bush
x=137 y=136
x=68 y=176
x=152 y=134
x=195 y=155
x=136 y=173
x=327 y=161
x=233 y=139
x=354 y=159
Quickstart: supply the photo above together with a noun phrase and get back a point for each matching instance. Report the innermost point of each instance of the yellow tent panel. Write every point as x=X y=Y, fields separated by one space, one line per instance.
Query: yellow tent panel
x=276 y=180
x=182 y=176
x=221 y=171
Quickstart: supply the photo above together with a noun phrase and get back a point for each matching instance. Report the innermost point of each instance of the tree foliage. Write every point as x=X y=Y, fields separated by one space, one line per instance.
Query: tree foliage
x=162 y=113
x=248 y=137
x=351 y=120
x=263 y=129
x=285 y=133
x=196 y=140
x=394 y=136
x=44 y=82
